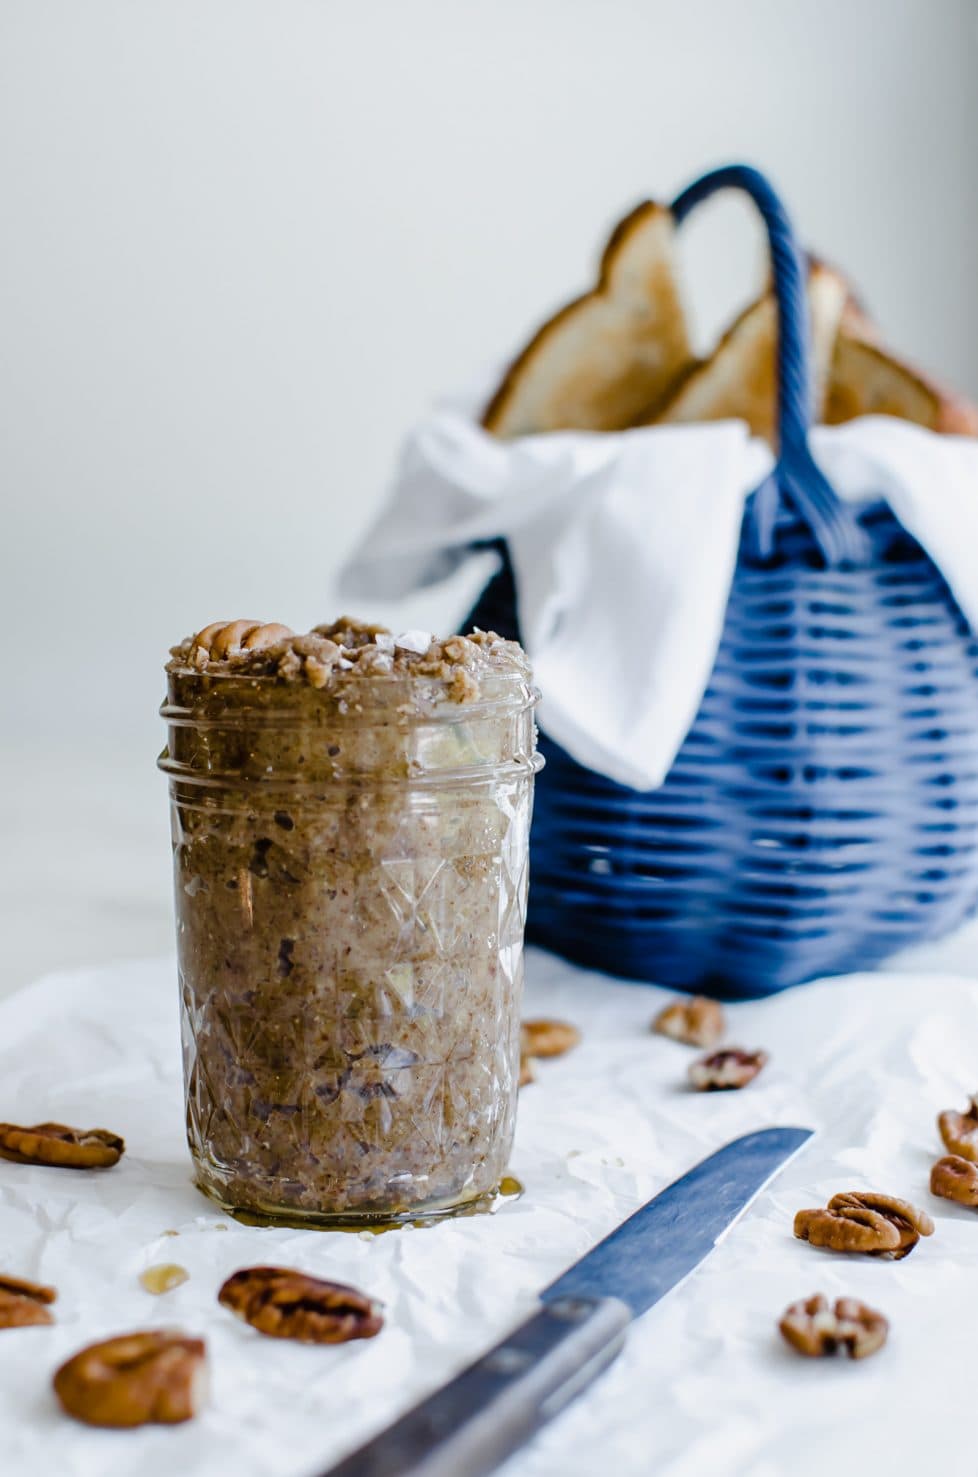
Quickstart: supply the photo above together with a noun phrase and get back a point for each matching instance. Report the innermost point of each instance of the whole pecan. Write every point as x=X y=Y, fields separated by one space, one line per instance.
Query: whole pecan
x=157 y=1376
x=814 y=1327
x=960 y=1131
x=548 y=1038
x=698 y=1021
x=292 y=1305
x=863 y=1221
x=955 y=1178
x=23 y=1304
x=726 y=1069
x=56 y=1144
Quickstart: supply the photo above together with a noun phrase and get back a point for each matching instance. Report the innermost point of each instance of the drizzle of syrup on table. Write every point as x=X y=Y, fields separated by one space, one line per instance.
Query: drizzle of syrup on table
x=163 y=1278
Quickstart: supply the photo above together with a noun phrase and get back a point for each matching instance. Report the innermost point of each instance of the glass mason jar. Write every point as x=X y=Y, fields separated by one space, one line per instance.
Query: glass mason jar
x=350 y=878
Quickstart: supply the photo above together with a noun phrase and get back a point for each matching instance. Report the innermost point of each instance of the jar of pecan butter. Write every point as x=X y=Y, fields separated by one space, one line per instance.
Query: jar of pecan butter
x=350 y=817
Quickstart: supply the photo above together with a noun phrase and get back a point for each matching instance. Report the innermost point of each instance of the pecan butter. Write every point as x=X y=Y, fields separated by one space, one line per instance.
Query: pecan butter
x=350 y=822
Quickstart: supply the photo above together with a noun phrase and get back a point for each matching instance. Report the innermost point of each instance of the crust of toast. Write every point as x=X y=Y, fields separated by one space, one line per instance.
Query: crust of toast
x=739 y=380
x=620 y=355
x=598 y=362
x=866 y=379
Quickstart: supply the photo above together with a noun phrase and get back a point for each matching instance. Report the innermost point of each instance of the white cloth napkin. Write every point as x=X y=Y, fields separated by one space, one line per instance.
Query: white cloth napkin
x=623 y=549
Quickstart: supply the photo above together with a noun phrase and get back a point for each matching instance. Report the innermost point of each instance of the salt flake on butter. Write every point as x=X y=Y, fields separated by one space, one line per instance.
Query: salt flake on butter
x=416 y=641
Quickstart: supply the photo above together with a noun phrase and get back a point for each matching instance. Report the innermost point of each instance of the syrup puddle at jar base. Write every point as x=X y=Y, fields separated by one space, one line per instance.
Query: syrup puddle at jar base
x=509 y=1190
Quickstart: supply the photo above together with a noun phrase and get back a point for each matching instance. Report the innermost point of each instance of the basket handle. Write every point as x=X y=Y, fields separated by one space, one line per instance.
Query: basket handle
x=796 y=477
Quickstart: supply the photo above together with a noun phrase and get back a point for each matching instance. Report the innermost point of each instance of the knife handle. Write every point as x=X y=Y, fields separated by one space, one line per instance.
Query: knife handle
x=478 y=1419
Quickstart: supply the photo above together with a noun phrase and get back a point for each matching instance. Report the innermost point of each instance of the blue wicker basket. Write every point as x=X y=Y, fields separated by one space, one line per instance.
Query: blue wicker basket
x=823 y=809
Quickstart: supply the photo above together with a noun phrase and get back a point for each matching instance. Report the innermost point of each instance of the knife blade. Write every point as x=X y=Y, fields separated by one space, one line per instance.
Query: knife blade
x=472 y=1424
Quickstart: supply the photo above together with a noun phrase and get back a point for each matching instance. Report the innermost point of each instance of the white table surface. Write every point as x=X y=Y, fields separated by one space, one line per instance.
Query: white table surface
x=704 y=1385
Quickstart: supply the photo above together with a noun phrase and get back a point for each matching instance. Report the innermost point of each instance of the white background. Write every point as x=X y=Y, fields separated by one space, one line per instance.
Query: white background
x=244 y=242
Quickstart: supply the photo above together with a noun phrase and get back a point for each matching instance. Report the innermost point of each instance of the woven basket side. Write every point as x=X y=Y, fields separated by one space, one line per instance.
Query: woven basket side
x=823 y=809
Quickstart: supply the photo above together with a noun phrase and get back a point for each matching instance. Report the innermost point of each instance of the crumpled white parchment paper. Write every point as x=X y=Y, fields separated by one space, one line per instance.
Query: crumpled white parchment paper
x=704 y=1385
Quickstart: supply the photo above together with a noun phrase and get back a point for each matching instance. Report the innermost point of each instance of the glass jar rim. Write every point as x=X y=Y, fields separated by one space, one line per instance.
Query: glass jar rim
x=346 y=701
x=364 y=731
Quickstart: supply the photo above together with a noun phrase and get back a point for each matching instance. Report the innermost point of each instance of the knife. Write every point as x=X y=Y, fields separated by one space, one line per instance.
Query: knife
x=472 y=1424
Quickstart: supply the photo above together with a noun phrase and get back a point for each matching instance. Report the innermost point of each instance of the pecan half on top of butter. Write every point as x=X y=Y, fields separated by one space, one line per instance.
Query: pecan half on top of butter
x=817 y=1329
x=865 y=1222
x=697 y=1021
x=157 y=1376
x=222 y=639
x=286 y=1304
x=60 y=1146
x=24 y=1304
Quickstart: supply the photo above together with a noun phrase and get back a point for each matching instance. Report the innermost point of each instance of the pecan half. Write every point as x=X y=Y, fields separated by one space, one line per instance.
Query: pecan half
x=698 y=1021
x=960 y=1131
x=24 y=1304
x=292 y=1305
x=814 y=1327
x=548 y=1038
x=153 y=1376
x=222 y=639
x=726 y=1069
x=56 y=1144
x=875 y=1225
x=955 y=1178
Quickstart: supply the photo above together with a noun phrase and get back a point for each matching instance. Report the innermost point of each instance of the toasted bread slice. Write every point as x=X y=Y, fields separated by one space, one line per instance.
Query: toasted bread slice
x=866 y=379
x=602 y=359
x=739 y=380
